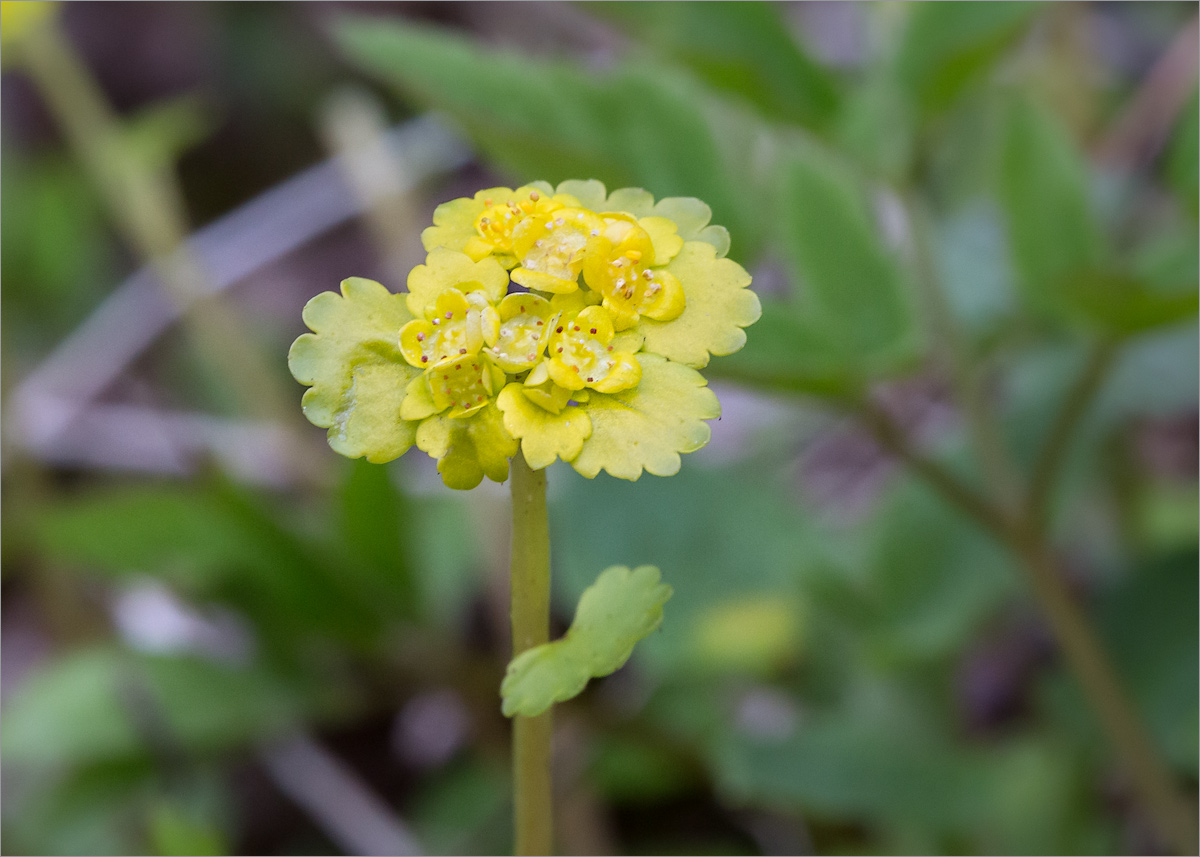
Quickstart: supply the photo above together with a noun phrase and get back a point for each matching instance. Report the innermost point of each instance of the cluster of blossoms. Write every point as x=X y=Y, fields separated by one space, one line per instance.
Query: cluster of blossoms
x=567 y=322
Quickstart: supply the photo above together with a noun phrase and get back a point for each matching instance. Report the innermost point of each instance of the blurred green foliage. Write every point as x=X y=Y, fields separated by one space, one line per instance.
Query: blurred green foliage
x=872 y=680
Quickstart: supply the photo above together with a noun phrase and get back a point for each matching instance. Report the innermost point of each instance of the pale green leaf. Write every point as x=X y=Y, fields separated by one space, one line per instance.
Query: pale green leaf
x=648 y=426
x=948 y=46
x=852 y=285
x=615 y=612
x=718 y=306
x=537 y=117
x=790 y=352
x=358 y=376
x=743 y=48
x=1044 y=192
x=544 y=436
x=1124 y=305
x=468 y=448
x=448 y=269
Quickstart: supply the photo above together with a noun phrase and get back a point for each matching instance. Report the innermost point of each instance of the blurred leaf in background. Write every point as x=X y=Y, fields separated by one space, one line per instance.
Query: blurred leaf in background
x=849 y=669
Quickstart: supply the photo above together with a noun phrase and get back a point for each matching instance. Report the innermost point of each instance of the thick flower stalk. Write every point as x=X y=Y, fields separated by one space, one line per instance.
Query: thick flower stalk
x=568 y=323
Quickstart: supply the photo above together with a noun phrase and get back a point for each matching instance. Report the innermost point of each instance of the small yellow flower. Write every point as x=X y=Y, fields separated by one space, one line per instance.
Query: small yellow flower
x=483 y=225
x=18 y=19
x=568 y=321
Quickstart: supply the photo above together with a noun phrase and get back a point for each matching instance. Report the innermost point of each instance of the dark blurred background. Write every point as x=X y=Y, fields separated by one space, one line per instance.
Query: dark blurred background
x=974 y=230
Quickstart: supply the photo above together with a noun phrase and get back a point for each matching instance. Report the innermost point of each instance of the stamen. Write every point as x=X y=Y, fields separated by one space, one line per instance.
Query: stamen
x=420 y=337
x=593 y=330
x=462 y=351
x=437 y=321
x=449 y=316
x=534 y=196
x=424 y=359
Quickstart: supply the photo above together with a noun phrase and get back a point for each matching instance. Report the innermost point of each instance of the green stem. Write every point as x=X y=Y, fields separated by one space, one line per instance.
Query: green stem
x=948 y=341
x=530 y=576
x=1062 y=432
x=1153 y=782
x=146 y=204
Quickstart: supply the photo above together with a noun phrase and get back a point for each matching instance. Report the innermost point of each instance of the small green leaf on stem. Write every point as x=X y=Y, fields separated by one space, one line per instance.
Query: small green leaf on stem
x=616 y=611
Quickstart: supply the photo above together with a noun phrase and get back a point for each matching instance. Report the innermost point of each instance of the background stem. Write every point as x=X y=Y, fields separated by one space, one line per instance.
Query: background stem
x=1053 y=456
x=1152 y=780
x=1020 y=526
x=530 y=578
x=146 y=204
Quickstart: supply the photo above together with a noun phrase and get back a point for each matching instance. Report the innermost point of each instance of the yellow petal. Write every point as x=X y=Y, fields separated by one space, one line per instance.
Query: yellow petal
x=648 y=426
x=564 y=375
x=541 y=282
x=718 y=306
x=670 y=302
x=547 y=395
x=544 y=435
x=627 y=373
x=418 y=402
x=414 y=342
x=594 y=321
x=664 y=238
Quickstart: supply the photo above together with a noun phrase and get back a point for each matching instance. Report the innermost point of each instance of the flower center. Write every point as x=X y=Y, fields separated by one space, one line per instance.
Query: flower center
x=525 y=322
x=550 y=248
x=618 y=266
x=496 y=223
x=585 y=354
x=463 y=385
x=458 y=325
x=582 y=354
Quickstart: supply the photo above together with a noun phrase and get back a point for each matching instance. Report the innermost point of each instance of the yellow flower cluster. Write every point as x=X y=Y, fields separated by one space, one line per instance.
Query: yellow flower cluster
x=568 y=320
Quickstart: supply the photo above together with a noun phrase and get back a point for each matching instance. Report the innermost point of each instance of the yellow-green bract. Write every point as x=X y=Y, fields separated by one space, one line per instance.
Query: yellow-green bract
x=567 y=322
x=616 y=611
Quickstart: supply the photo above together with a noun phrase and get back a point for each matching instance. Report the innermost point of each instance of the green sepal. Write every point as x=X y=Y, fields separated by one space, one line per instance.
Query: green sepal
x=619 y=609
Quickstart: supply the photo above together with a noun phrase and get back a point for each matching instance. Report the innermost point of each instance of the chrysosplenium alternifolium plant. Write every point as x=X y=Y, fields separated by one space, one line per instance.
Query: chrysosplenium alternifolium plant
x=561 y=323
x=568 y=322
